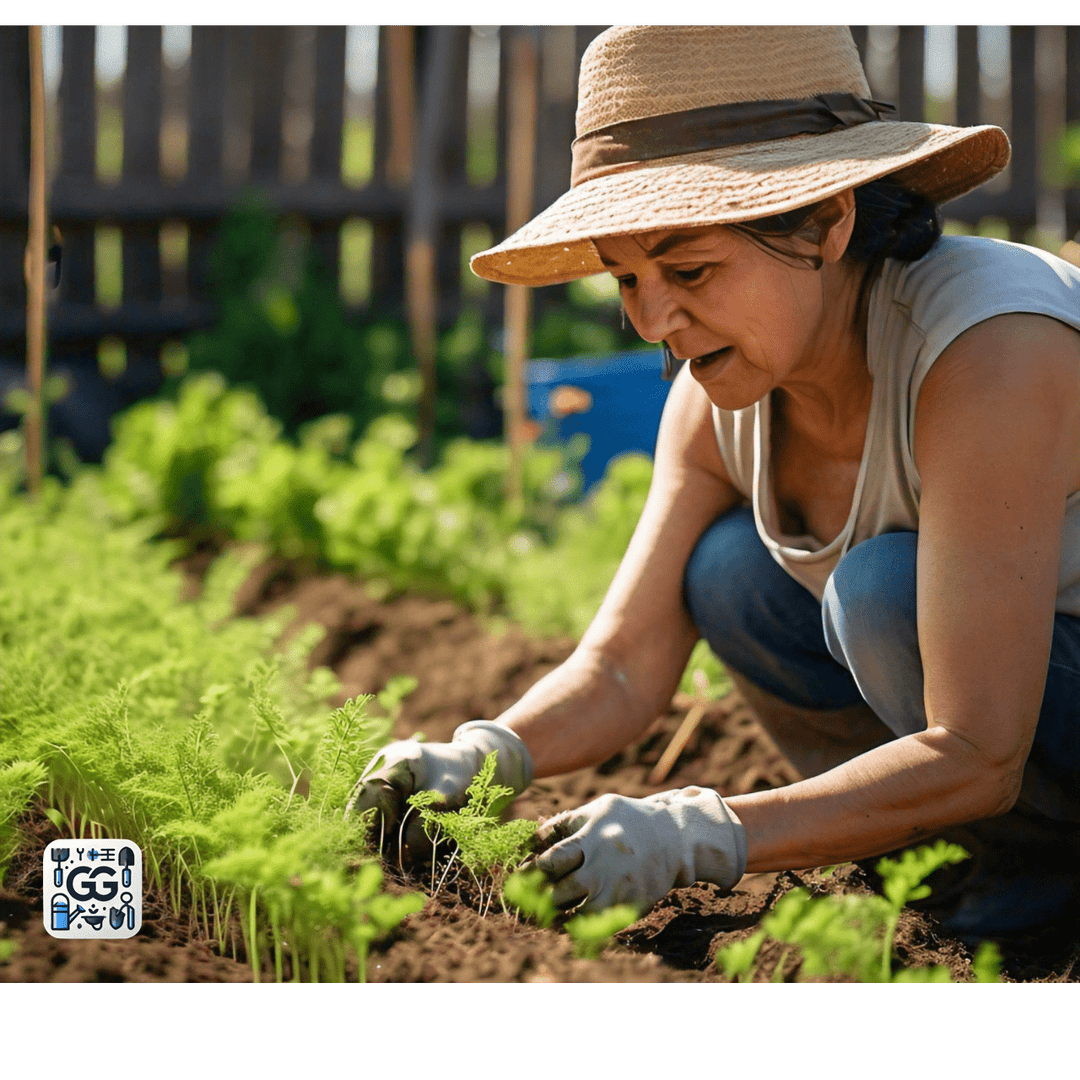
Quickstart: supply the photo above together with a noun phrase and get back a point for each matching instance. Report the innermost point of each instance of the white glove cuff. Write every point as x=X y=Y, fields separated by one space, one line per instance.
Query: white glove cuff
x=513 y=766
x=734 y=859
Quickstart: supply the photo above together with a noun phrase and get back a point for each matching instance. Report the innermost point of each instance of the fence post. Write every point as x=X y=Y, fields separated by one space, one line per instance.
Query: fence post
x=326 y=136
x=206 y=139
x=78 y=131
x=141 y=167
x=910 y=62
x=14 y=164
x=35 y=273
x=1072 y=116
x=423 y=229
x=1023 y=127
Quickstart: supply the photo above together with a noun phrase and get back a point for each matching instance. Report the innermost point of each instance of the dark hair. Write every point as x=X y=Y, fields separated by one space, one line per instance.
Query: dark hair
x=891 y=222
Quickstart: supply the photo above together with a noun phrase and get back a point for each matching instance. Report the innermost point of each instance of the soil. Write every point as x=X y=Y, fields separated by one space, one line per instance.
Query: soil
x=468 y=668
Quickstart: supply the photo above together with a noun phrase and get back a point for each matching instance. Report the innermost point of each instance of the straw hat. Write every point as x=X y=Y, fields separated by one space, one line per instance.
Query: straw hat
x=682 y=126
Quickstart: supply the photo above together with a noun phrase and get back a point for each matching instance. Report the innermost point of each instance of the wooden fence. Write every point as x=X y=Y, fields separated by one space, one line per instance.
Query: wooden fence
x=239 y=86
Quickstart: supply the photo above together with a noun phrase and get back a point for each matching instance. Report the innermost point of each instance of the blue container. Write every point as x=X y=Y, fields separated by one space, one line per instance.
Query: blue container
x=615 y=400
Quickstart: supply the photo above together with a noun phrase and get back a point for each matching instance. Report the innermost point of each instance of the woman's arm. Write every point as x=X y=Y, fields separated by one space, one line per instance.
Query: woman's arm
x=997 y=445
x=628 y=664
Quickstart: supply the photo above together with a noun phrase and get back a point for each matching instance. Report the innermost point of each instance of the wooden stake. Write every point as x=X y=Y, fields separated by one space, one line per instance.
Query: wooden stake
x=34 y=268
x=520 y=179
x=678 y=743
x=421 y=301
x=400 y=55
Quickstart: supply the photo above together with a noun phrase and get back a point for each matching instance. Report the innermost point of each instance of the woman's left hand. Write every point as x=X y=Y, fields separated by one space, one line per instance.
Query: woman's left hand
x=617 y=850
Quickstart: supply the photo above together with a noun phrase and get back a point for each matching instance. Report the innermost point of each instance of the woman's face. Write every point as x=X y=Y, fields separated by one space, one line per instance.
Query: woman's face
x=746 y=319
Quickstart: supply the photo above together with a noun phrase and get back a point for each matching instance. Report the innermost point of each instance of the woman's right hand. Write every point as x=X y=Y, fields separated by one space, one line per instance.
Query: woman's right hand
x=403 y=768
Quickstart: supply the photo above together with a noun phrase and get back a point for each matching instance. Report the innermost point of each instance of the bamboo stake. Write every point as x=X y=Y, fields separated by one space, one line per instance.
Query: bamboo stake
x=520 y=178
x=422 y=304
x=678 y=743
x=400 y=56
x=34 y=269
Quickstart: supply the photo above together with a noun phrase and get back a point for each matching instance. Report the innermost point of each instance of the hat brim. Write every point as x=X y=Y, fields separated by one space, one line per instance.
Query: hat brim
x=740 y=183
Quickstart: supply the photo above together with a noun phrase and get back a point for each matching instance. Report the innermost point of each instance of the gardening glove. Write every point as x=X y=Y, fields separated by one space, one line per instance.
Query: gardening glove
x=616 y=850
x=403 y=768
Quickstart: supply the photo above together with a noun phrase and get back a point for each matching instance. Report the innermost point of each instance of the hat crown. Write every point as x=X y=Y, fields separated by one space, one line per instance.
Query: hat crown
x=631 y=72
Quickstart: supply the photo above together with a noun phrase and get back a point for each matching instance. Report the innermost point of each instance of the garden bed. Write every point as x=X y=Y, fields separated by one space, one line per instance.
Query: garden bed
x=469 y=668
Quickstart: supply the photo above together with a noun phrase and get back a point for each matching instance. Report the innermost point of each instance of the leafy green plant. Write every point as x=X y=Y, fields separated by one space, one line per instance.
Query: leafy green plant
x=310 y=903
x=485 y=846
x=282 y=332
x=19 y=780
x=128 y=713
x=557 y=587
x=213 y=463
x=392 y=695
x=592 y=932
x=377 y=912
x=530 y=893
x=853 y=935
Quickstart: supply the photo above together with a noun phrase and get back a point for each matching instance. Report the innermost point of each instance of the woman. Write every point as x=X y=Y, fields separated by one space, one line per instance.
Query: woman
x=866 y=493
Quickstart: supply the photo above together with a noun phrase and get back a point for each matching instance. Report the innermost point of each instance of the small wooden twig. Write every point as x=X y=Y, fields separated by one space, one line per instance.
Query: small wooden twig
x=677 y=744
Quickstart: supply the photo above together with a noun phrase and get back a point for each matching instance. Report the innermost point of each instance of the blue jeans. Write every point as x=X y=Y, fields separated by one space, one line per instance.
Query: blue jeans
x=861 y=644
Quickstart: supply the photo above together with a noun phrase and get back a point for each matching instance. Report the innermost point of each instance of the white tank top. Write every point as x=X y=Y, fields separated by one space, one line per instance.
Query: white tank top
x=916 y=310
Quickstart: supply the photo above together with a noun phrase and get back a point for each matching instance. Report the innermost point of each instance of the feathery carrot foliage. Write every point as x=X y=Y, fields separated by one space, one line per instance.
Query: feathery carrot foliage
x=128 y=713
x=853 y=935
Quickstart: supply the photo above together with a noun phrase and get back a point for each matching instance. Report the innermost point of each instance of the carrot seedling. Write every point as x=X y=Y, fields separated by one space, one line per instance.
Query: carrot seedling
x=485 y=846
x=530 y=893
x=853 y=935
x=377 y=913
x=592 y=933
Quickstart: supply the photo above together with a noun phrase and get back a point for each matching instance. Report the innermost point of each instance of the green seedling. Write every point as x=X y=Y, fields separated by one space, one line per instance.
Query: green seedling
x=853 y=936
x=19 y=780
x=376 y=912
x=485 y=847
x=395 y=692
x=592 y=933
x=530 y=893
x=902 y=882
